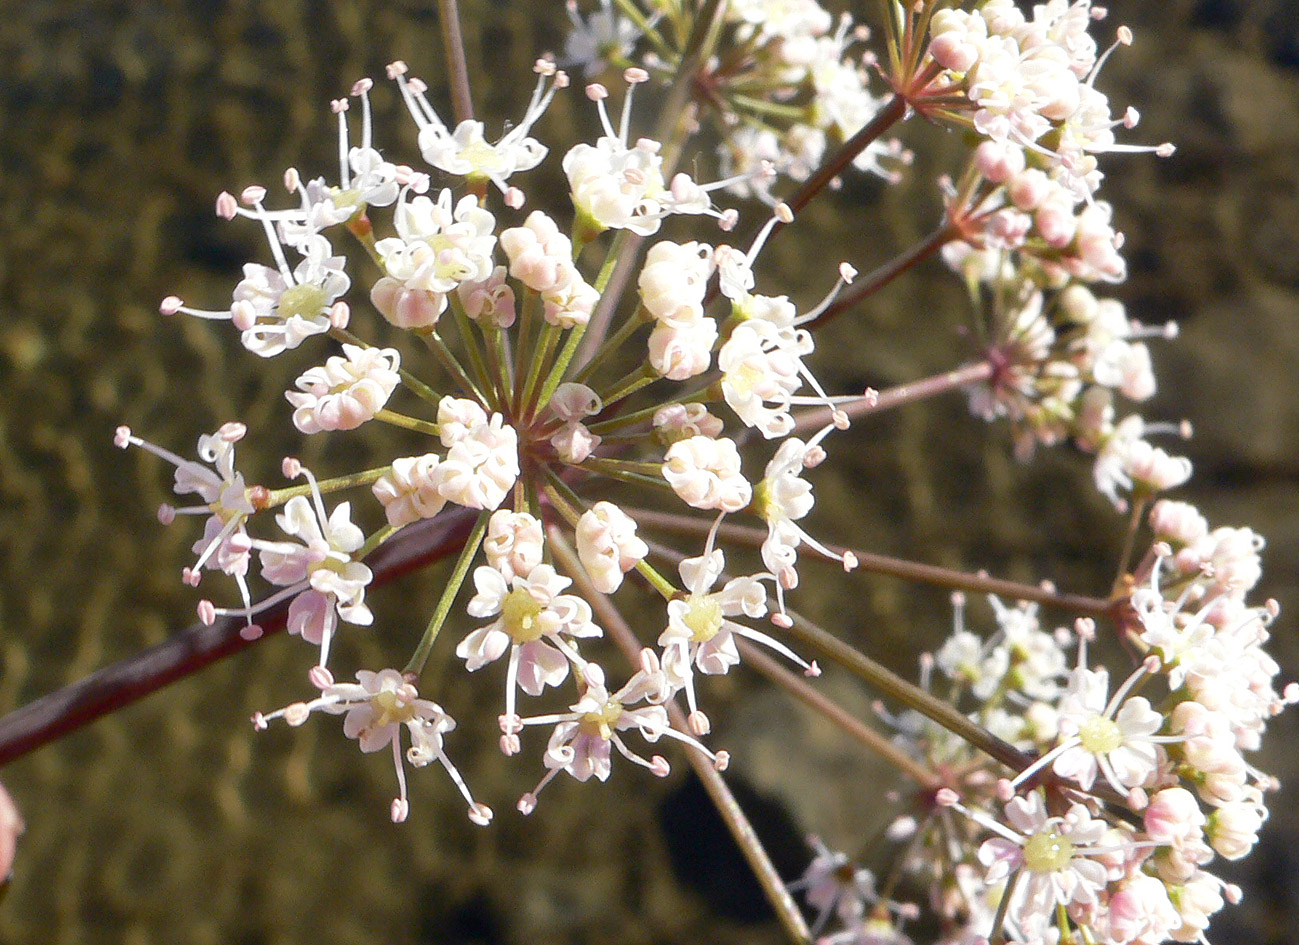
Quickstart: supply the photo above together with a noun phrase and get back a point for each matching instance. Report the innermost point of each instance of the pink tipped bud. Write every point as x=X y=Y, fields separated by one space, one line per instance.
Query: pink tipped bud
x=191 y=576
x=561 y=79
x=596 y=92
x=259 y=722
x=1125 y=36
x=659 y=767
x=635 y=76
x=813 y=670
x=242 y=314
x=166 y=513
x=417 y=86
x=544 y=67
x=296 y=714
x=782 y=621
x=170 y=305
x=727 y=221
x=1005 y=789
x=722 y=761
x=850 y=561
x=395 y=68
x=699 y=724
x=840 y=420
x=510 y=724
x=253 y=194
x=480 y=814
x=292 y=180
x=361 y=86
x=122 y=437
x=251 y=632
x=946 y=797
x=291 y=467
x=514 y=198
x=400 y=810
x=510 y=745
x=226 y=205
x=649 y=661
x=527 y=804
x=232 y=431
x=1165 y=150
x=320 y=677
x=338 y=105
x=207 y=613
x=783 y=212
x=340 y=313
x=847 y=272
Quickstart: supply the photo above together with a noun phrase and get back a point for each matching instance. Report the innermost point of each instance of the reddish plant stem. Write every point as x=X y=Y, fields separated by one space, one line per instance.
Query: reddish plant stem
x=892 y=112
x=874 y=741
x=462 y=104
x=901 y=395
x=187 y=651
x=978 y=583
x=874 y=281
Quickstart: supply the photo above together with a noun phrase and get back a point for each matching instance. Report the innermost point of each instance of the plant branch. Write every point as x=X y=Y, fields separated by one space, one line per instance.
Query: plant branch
x=462 y=105
x=817 y=417
x=187 y=651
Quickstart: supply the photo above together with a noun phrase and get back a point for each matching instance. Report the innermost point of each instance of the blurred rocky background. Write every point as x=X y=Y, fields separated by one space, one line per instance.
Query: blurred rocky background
x=171 y=823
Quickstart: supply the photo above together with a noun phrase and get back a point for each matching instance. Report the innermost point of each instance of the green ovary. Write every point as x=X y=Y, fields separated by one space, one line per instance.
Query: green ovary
x=1048 y=852
x=1100 y=735
x=704 y=618
x=520 y=614
x=304 y=301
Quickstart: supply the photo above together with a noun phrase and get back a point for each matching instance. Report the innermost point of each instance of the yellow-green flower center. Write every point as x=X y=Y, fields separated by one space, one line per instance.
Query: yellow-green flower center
x=388 y=708
x=1048 y=852
x=704 y=618
x=601 y=724
x=306 y=300
x=1100 y=735
x=520 y=613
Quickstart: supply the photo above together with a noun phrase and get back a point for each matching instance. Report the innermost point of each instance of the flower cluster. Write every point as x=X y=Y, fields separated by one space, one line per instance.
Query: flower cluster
x=566 y=419
x=1123 y=800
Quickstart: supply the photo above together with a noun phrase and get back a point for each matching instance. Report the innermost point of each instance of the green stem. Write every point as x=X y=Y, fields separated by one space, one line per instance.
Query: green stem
x=908 y=694
x=421 y=654
x=642 y=376
x=538 y=358
x=280 y=496
x=448 y=361
x=613 y=343
x=373 y=542
x=561 y=365
x=704 y=394
x=407 y=423
x=486 y=380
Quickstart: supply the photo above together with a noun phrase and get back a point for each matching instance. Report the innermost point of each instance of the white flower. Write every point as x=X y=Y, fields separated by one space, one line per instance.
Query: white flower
x=1053 y=852
x=700 y=633
x=674 y=422
x=514 y=543
x=333 y=583
x=682 y=348
x=761 y=370
x=227 y=501
x=1114 y=737
x=675 y=276
x=705 y=473
x=607 y=545
x=532 y=617
x=276 y=309
x=443 y=246
x=490 y=301
x=375 y=708
x=457 y=418
x=603 y=36
x=541 y=257
x=465 y=151
x=408 y=491
x=480 y=469
x=347 y=391
x=583 y=738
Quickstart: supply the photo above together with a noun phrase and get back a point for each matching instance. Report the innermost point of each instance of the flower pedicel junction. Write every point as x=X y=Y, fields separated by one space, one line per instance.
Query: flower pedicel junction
x=586 y=388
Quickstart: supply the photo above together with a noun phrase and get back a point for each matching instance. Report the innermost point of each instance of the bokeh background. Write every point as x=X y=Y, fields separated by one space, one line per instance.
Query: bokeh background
x=171 y=823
